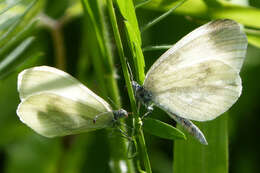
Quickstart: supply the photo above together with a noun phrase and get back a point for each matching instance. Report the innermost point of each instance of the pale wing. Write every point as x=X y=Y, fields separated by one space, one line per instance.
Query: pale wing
x=52 y=115
x=48 y=79
x=221 y=40
x=200 y=92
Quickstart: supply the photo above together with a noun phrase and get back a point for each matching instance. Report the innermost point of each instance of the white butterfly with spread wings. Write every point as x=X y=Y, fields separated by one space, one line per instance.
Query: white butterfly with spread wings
x=198 y=78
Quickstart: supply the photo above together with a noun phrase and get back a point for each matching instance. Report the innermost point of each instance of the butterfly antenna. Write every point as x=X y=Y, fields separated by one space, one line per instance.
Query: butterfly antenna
x=127 y=127
x=130 y=71
x=124 y=134
x=113 y=103
x=115 y=131
x=164 y=15
x=140 y=4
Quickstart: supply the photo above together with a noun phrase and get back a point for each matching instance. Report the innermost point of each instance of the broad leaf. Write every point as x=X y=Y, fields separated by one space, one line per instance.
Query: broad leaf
x=162 y=130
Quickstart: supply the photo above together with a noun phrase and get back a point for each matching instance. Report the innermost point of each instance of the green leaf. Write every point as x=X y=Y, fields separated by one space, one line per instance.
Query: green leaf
x=104 y=64
x=136 y=50
x=242 y=14
x=254 y=40
x=199 y=8
x=128 y=12
x=245 y=15
x=20 y=21
x=11 y=61
x=17 y=39
x=162 y=130
x=134 y=37
x=5 y=9
x=212 y=3
x=253 y=37
x=191 y=156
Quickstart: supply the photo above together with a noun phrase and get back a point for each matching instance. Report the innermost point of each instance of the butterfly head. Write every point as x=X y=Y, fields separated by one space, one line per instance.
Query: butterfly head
x=142 y=94
x=121 y=113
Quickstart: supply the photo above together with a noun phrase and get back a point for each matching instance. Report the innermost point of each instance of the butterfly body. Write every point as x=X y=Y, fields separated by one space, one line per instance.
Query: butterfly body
x=142 y=95
x=145 y=97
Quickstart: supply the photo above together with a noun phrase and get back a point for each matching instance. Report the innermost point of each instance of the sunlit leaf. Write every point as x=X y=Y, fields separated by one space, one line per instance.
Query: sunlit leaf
x=128 y=12
x=136 y=50
x=253 y=37
x=11 y=61
x=134 y=37
x=191 y=156
x=162 y=130
x=21 y=21
x=242 y=14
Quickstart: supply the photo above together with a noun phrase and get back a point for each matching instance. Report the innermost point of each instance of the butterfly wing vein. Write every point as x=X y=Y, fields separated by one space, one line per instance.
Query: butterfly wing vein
x=198 y=78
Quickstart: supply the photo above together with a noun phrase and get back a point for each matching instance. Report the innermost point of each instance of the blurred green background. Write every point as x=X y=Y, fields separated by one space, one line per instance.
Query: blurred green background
x=22 y=150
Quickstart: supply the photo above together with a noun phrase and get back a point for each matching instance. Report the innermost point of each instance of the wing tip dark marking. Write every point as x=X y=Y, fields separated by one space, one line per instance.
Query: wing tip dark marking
x=223 y=22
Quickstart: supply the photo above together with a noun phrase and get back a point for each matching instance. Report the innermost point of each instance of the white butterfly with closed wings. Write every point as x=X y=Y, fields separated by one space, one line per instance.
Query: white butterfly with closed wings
x=53 y=103
x=198 y=78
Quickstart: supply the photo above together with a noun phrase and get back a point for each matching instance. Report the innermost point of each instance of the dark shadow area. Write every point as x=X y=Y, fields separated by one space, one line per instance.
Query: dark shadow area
x=2 y=160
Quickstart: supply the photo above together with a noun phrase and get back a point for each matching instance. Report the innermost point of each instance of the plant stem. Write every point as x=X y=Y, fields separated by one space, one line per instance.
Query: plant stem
x=121 y=55
x=118 y=146
x=142 y=146
x=140 y=4
x=164 y=15
x=55 y=27
x=159 y=47
x=137 y=121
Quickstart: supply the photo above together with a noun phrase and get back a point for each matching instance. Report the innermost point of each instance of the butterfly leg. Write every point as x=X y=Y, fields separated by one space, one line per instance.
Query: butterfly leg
x=124 y=134
x=132 y=147
x=150 y=109
x=146 y=114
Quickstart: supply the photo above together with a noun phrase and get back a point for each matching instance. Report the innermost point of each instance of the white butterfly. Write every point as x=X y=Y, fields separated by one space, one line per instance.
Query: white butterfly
x=198 y=78
x=53 y=103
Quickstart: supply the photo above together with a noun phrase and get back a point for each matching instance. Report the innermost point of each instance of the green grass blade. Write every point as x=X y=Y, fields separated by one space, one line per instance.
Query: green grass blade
x=242 y=14
x=22 y=21
x=16 y=39
x=127 y=10
x=135 y=46
x=164 y=15
x=134 y=37
x=121 y=55
x=9 y=7
x=253 y=36
x=212 y=3
x=105 y=65
x=11 y=61
x=191 y=156
x=140 y=4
